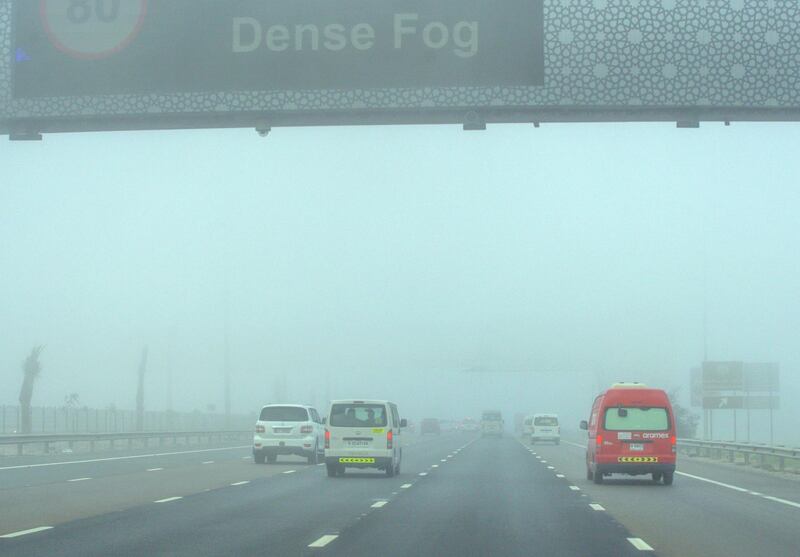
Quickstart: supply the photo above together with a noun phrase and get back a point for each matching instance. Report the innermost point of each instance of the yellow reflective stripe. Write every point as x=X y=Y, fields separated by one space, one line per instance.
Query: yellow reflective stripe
x=637 y=459
x=353 y=460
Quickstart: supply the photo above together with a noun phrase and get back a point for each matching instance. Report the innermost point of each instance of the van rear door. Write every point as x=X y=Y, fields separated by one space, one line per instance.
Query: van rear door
x=637 y=434
x=359 y=428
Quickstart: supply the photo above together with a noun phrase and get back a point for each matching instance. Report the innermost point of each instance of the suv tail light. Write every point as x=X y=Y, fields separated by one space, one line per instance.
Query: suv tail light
x=389 y=439
x=260 y=429
x=306 y=429
x=327 y=439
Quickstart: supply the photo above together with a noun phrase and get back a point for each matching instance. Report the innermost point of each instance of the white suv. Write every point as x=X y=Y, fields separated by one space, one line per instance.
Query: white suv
x=288 y=429
x=363 y=434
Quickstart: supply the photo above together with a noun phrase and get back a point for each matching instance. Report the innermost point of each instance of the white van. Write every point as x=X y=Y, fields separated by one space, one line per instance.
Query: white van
x=545 y=428
x=491 y=423
x=363 y=434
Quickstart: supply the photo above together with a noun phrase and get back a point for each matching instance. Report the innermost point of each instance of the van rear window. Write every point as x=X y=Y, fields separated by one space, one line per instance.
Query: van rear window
x=358 y=415
x=283 y=414
x=551 y=421
x=631 y=418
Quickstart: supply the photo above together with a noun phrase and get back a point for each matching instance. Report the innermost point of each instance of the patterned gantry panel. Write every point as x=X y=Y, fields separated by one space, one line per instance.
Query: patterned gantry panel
x=598 y=53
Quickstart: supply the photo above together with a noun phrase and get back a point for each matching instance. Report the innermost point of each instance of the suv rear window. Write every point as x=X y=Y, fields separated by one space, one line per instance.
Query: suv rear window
x=546 y=421
x=283 y=414
x=358 y=415
x=631 y=418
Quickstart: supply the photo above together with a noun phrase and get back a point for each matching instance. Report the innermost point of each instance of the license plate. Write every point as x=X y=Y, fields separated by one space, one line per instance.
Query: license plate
x=636 y=446
x=281 y=430
x=358 y=443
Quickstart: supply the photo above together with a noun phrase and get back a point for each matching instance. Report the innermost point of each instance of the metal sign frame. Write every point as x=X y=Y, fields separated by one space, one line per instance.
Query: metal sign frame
x=604 y=62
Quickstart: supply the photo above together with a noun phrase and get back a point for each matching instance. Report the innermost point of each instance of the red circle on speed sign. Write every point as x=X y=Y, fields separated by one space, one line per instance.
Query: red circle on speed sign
x=92 y=29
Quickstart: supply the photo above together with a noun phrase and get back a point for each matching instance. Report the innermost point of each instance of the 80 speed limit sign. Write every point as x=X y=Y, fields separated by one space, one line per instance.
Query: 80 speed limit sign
x=92 y=29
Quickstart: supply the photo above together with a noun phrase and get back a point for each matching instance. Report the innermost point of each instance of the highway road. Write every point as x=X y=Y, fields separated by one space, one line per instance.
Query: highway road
x=457 y=495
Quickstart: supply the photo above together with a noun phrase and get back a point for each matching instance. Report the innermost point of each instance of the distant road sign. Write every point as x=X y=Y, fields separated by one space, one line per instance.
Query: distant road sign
x=723 y=376
x=739 y=402
x=696 y=383
x=761 y=377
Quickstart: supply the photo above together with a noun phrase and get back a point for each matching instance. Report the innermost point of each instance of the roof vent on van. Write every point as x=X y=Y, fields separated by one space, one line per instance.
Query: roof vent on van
x=629 y=385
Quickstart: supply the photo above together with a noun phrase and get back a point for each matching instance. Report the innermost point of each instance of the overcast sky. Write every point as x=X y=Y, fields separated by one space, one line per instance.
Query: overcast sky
x=383 y=261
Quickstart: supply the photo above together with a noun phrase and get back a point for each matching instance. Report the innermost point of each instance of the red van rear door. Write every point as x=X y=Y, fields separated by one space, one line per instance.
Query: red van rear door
x=637 y=434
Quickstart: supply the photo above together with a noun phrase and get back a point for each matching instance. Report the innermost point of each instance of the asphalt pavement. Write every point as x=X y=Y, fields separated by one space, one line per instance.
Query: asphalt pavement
x=458 y=494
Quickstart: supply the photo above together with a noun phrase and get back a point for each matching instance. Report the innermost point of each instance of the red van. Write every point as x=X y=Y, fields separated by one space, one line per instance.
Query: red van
x=631 y=431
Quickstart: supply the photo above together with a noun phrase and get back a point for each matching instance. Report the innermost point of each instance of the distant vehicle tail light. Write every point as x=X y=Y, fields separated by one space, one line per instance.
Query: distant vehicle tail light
x=327 y=439
x=260 y=429
x=389 y=439
x=306 y=429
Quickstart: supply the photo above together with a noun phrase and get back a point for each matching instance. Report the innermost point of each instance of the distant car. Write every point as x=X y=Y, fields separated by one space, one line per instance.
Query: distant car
x=527 y=426
x=288 y=429
x=430 y=426
x=544 y=427
x=363 y=434
x=491 y=424
x=469 y=425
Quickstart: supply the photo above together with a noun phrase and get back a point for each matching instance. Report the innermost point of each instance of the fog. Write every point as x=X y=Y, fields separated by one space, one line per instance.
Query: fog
x=385 y=262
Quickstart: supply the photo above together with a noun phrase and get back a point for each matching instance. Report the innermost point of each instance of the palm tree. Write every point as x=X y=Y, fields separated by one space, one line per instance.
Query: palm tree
x=31 y=368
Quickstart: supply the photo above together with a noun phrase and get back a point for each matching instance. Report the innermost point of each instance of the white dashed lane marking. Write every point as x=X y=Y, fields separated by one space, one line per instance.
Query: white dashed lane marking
x=423 y=473
x=240 y=483
x=168 y=500
x=154 y=469
x=26 y=532
x=379 y=504
x=208 y=462
x=597 y=506
x=323 y=541
x=79 y=479
x=559 y=475
x=289 y=472
x=574 y=488
x=405 y=486
x=640 y=544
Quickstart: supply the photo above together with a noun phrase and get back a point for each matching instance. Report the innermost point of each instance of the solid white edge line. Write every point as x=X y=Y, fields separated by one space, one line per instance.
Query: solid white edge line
x=112 y=458
x=168 y=499
x=379 y=504
x=702 y=479
x=640 y=544
x=597 y=506
x=784 y=501
x=79 y=479
x=26 y=532
x=721 y=484
x=324 y=540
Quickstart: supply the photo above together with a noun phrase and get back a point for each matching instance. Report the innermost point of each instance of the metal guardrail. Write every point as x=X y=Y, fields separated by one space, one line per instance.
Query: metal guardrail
x=773 y=457
x=71 y=439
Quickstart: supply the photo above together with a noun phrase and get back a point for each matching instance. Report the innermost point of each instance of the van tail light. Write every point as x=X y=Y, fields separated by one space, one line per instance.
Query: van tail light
x=260 y=429
x=674 y=442
x=598 y=442
x=389 y=439
x=558 y=430
x=306 y=429
x=327 y=439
